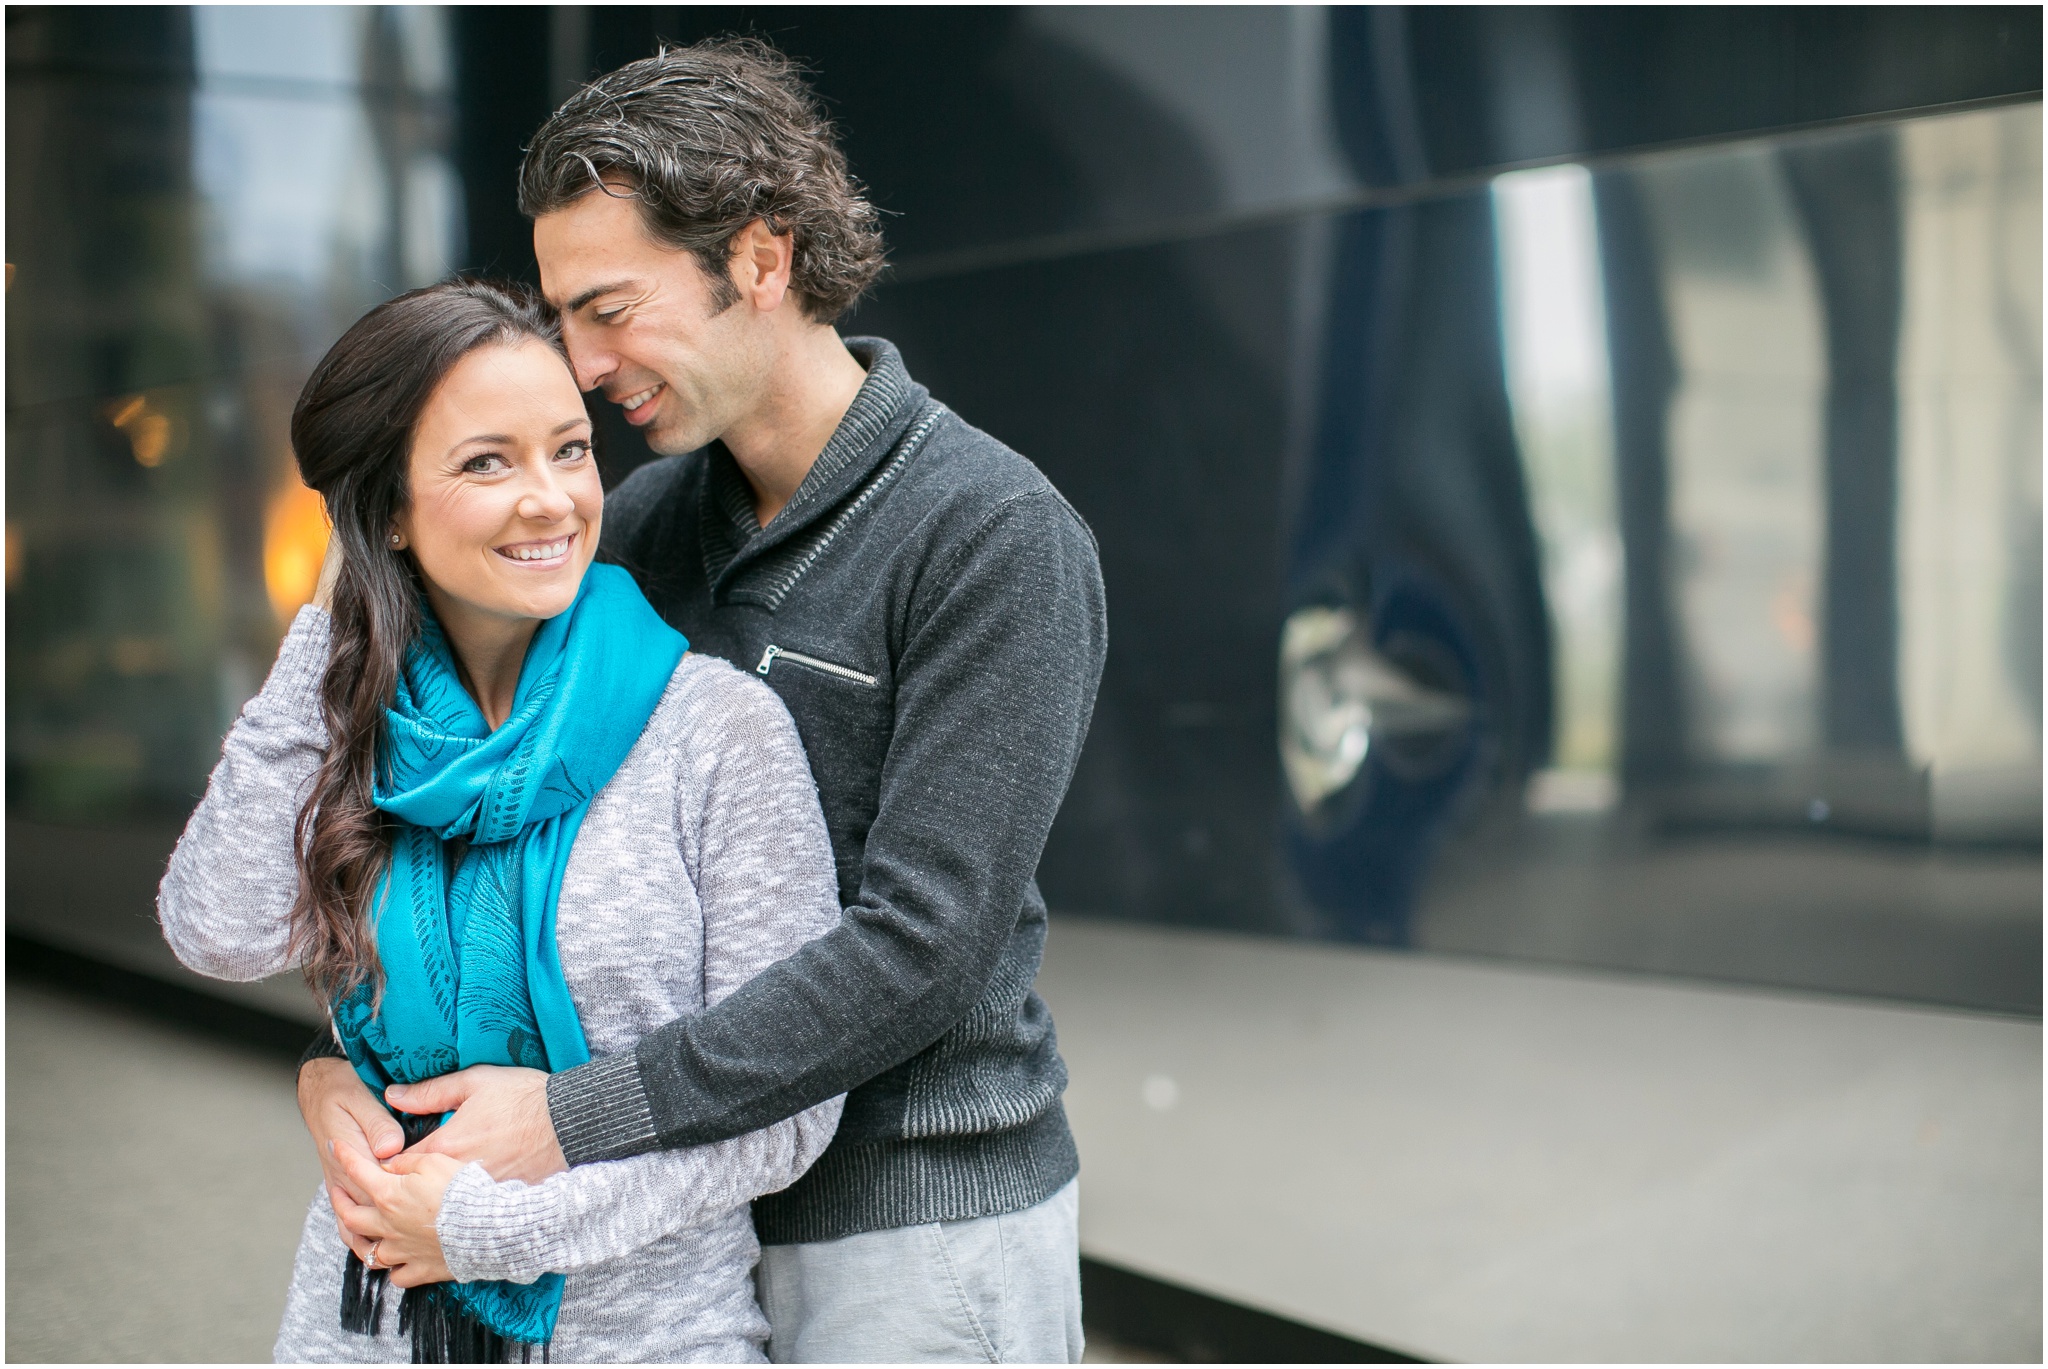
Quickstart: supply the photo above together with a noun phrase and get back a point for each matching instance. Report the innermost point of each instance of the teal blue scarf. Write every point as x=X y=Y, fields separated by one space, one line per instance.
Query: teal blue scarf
x=471 y=976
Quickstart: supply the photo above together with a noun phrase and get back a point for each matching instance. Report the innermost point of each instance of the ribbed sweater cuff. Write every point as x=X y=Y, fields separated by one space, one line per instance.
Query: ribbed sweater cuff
x=600 y=1110
x=495 y=1231
x=294 y=683
x=322 y=1047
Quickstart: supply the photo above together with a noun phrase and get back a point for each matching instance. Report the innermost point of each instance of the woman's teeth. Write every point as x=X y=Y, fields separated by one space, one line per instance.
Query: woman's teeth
x=537 y=551
x=635 y=401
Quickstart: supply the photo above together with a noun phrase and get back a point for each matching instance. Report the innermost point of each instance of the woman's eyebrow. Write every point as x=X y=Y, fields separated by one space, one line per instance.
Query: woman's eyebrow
x=502 y=439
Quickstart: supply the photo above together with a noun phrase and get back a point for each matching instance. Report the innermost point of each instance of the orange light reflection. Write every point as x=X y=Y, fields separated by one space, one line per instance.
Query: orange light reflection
x=147 y=430
x=294 y=545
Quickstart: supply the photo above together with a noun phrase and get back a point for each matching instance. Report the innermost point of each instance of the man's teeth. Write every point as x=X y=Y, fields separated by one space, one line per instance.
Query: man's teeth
x=635 y=401
x=543 y=551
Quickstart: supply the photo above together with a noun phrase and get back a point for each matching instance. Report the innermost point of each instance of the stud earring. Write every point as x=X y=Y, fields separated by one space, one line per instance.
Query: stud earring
x=396 y=540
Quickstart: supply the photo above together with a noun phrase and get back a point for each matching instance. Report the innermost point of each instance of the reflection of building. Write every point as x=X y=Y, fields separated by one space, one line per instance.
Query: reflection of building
x=1784 y=678
x=203 y=199
x=1621 y=427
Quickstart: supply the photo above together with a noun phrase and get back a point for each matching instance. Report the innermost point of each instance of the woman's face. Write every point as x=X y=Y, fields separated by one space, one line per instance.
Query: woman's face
x=506 y=502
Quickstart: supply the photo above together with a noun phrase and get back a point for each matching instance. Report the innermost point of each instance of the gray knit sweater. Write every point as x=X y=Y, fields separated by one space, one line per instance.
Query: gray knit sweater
x=703 y=861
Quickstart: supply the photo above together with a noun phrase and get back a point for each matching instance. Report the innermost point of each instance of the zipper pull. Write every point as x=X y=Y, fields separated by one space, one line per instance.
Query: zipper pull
x=767 y=659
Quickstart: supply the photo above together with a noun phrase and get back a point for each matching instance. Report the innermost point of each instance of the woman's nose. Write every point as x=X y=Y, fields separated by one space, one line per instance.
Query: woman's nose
x=544 y=500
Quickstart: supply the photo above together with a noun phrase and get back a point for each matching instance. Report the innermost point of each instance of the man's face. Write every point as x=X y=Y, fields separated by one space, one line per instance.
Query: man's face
x=642 y=324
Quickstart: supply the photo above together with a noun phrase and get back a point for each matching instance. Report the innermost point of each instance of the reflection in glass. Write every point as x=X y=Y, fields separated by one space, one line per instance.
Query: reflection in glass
x=183 y=248
x=1743 y=450
x=1969 y=533
x=1821 y=358
x=1794 y=378
x=1339 y=698
x=1555 y=347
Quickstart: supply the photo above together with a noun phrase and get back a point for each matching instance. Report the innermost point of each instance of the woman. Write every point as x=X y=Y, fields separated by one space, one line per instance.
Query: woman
x=530 y=827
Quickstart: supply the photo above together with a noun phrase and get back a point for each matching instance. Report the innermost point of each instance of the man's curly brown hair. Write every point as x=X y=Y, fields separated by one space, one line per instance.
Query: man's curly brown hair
x=709 y=138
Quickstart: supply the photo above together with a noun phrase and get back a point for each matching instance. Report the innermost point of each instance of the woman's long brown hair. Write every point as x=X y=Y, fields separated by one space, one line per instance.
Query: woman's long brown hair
x=352 y=436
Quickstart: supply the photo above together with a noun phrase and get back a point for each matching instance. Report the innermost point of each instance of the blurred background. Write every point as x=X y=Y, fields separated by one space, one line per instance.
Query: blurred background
x=1556 y=870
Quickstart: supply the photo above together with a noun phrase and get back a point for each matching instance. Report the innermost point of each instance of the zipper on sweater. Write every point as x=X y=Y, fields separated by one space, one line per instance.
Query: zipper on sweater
x=769 y=657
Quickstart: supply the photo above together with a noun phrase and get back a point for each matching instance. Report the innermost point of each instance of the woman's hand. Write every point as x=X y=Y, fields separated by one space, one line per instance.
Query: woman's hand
x=344 y=1116
x=330 y=571
x=397 y=1224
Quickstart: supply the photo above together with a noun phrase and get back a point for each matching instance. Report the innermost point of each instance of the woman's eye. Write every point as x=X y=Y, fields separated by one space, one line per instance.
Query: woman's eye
x=573 y=451
x=489 y=463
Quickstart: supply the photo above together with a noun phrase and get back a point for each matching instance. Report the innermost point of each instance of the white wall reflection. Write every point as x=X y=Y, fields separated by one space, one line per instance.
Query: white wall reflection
x=1969 y=536
x=1745 y=435
x=1553 y=324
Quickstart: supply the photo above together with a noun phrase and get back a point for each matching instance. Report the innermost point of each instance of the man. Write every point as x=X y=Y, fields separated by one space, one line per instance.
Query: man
x=931 y=611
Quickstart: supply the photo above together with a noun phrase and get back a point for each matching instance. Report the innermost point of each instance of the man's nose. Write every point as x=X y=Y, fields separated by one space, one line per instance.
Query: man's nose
x=591 y=365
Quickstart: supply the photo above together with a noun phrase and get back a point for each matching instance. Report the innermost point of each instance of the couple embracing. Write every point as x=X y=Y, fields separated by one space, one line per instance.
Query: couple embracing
x=666 y=859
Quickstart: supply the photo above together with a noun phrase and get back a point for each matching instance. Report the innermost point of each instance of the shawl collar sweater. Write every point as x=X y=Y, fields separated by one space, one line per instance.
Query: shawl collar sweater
x=931 y=611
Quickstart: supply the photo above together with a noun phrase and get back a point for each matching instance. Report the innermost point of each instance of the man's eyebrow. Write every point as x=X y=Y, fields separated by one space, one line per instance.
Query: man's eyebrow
x=592 y=293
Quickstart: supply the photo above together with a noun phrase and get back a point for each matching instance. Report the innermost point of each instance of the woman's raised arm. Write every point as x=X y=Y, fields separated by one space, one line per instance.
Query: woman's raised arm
x=225 y=903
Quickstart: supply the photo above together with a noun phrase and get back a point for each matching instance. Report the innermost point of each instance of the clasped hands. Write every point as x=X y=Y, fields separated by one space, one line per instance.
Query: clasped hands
x=387 y=1197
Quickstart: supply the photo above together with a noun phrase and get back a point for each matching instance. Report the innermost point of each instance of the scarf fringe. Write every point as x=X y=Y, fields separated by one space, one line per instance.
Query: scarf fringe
x=442 y=1333
x=362 y=1296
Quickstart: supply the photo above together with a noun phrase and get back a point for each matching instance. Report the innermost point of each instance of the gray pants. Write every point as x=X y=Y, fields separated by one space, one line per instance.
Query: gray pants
x=996 y=1290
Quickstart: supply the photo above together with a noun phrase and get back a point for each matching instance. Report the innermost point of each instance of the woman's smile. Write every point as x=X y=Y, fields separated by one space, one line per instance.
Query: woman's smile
x=545 y=555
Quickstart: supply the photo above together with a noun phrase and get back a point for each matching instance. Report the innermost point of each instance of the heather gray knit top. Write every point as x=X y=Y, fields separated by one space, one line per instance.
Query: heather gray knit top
x=704 y=860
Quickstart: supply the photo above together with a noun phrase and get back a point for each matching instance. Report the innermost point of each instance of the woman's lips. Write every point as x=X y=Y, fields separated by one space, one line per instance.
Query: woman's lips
x=541 y=555
x=640 y=407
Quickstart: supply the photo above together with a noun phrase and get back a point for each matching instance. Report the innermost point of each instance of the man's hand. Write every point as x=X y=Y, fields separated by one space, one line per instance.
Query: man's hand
x=395 y=1228
x=345 y=1117
x=501 y=1120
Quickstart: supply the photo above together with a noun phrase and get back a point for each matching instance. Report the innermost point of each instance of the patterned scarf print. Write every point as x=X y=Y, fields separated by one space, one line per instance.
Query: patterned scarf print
x=471 y=975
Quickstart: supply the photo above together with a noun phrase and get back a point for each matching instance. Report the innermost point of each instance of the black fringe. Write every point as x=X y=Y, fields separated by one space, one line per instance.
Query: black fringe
x=442 y=1333
x=362 y=1296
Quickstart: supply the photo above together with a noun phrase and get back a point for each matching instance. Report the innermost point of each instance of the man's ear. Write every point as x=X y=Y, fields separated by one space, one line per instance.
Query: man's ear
x=761 y=263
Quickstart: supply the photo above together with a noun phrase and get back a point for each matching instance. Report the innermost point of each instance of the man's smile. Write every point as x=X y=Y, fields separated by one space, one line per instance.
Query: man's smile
x=639 y=407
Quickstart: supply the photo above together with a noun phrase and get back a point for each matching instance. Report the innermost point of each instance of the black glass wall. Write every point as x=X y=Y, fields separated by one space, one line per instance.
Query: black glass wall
x=1567 y=480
